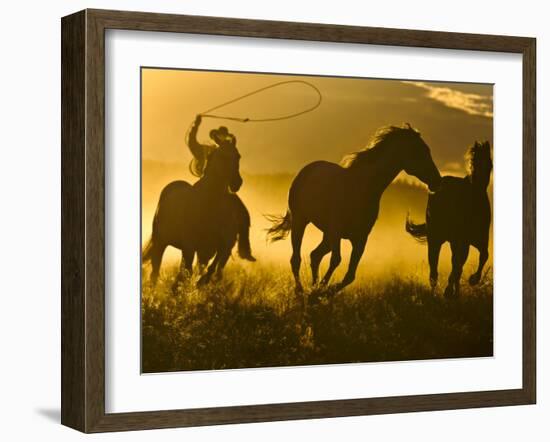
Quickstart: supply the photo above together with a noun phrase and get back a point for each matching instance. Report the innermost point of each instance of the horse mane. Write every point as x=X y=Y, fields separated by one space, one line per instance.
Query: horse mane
x=478 y=160
x=371 y=152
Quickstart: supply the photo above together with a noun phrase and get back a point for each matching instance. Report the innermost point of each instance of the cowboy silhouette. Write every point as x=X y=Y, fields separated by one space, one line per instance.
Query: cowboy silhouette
x=201 y=152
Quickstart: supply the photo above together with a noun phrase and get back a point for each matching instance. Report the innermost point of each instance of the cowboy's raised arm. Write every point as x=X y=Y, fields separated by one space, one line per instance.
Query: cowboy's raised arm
x=196 y=148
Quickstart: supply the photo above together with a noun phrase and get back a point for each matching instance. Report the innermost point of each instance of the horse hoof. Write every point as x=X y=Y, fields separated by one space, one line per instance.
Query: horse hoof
x=313 y=299
x=203 y=280
x=316 y=297
x=474 y=279
x=339 y=287
x=450 y=292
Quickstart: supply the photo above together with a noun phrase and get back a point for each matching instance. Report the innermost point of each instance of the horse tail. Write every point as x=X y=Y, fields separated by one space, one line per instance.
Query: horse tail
x=417 y=231
x=280 y=228
x=147 y=251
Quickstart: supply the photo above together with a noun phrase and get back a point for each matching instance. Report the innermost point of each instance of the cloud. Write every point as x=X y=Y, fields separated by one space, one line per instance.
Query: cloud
x=454 y=168
x=472 y=104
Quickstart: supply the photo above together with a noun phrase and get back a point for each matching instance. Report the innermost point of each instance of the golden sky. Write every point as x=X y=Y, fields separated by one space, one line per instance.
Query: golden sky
x=450 y=116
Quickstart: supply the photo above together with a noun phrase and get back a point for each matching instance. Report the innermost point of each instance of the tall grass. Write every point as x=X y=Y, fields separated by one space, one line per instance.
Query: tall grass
x=253 y=319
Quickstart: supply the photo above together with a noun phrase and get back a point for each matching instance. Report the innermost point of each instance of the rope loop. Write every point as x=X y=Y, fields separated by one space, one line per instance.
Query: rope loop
x=208 y=114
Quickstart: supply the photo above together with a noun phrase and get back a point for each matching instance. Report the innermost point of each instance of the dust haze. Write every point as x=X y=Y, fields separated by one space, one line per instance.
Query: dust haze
x=251 y=317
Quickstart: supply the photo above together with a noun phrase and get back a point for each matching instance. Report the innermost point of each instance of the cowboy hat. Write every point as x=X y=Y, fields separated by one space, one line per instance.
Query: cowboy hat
x=220 y=134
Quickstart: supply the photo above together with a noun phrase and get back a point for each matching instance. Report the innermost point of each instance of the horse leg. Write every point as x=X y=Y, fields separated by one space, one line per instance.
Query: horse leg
x=224 y=257
x=205 y=279
x=434 y=248
x=156 y=260
x=358 y=247
x=179 y=276
x=186 y=269
x=203 y=258
x=483 y=256
x=297 y=234
x=243 y=228
x=460 y=254
x=316 y=257
x=201 y=265
x=335 y=259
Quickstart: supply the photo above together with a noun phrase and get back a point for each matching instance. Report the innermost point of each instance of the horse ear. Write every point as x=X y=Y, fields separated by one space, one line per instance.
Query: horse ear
x=412 y=129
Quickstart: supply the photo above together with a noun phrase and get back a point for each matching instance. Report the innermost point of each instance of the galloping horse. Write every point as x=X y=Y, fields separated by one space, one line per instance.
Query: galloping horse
x=198 y=218
x=343 y=200
x=459 y=212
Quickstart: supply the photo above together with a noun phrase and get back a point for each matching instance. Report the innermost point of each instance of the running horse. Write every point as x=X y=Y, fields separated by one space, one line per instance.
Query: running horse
x=343 y=200
x=459 y=212
x=198 y=219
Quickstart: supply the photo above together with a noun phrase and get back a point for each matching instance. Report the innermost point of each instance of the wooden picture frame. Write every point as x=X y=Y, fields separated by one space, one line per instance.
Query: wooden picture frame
x=83 y=220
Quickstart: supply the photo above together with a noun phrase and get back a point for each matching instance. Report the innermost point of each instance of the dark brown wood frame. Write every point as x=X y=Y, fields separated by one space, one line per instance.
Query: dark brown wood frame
x=83 y=215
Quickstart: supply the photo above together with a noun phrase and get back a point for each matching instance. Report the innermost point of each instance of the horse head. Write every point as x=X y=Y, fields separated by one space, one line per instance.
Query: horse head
x=418 y=158
x=223 y=165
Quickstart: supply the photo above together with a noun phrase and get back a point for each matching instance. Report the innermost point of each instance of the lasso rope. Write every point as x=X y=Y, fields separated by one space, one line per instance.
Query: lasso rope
x=257 y=91
x=207 y=113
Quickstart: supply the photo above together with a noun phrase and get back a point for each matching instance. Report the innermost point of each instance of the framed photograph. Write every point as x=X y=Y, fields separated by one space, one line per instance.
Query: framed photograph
x=267 y=221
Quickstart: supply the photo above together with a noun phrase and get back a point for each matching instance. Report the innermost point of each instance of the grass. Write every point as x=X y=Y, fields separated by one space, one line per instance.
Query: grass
x=253 y=319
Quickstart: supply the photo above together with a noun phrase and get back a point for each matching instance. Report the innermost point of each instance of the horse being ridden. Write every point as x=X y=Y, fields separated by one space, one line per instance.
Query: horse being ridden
x=459 y=212
x=201 y=153
x=200 y=218
x=343 y=200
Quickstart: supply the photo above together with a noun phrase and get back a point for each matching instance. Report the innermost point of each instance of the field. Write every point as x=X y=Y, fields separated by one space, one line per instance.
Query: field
x=252 y=318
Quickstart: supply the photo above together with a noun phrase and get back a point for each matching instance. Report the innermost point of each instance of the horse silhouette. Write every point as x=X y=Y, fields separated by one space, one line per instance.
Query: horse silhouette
x=343 y=200
x=198 y=219
x=459 y=212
